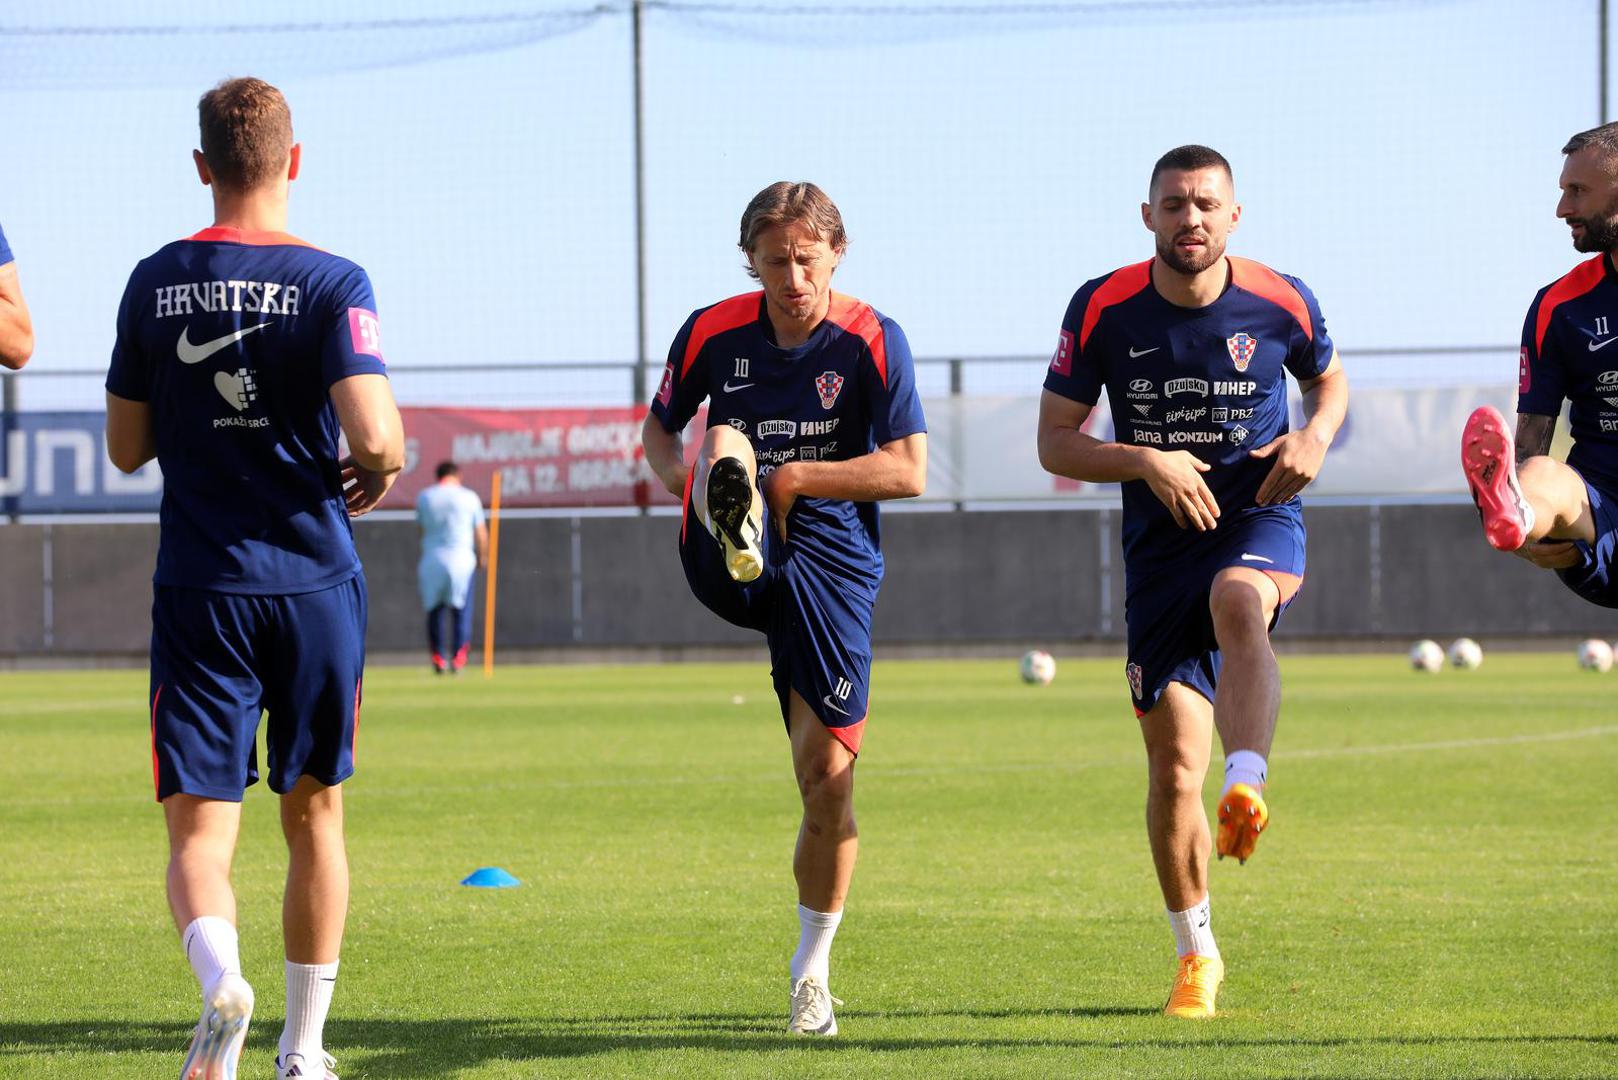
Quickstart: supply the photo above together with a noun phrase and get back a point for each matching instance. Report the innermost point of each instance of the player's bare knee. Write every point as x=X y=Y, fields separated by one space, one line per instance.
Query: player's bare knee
x=724 y=441
x=827 y=789
x=1172 y=775
x=1238 y=611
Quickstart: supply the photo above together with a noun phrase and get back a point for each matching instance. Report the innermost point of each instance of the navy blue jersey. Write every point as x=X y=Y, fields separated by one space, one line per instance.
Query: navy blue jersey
x=234 y=339
x=5 y=249
x=847 y=390
x=1565 y=356
x=1210 y=380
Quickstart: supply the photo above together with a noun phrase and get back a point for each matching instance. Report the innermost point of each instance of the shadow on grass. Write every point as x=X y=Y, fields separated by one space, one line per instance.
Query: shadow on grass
x=418 y=1049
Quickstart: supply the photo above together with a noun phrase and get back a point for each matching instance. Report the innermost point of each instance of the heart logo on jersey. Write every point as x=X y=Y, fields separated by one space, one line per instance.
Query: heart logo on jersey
x=1241 y=347
x=239 y=390
x=829 y=384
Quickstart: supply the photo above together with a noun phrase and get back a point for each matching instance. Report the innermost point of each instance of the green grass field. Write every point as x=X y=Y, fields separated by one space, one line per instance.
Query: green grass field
x=1437 y=896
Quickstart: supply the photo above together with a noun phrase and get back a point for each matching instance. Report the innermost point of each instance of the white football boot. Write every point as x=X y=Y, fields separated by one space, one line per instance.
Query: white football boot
x=811 y=1008
x=730 y=519
x=297 y=1067
x=216 y=1046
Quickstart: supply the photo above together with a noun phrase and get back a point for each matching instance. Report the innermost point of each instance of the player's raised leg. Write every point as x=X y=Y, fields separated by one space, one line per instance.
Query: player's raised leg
x=1178 y=731
x=1539 y=499
x=724 y=493
x=202 y=842
x=823 y=863
x=1242 y=602
x=313 y=912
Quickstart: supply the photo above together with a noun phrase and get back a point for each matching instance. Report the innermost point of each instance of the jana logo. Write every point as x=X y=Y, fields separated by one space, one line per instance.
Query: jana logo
x=1241 y=347
x=829 y=385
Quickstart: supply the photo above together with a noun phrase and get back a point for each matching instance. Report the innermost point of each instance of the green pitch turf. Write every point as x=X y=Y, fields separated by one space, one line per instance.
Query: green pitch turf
x=1437 y=896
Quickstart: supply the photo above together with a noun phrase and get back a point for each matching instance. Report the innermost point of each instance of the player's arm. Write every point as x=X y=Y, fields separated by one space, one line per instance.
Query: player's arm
x=375 y=432
x=16 y=327
x=665 y=454
x=895 y=470
x=480 y=543
x=1175 y=476
x=1298 y=454
x=131 y=442
x=1534 y=434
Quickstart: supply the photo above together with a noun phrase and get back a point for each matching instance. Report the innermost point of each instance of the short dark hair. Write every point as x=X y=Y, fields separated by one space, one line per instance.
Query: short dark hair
x=786 y=203
x=1603 y=139
x=447 y=468
x=1187 y=158
x=246 y=132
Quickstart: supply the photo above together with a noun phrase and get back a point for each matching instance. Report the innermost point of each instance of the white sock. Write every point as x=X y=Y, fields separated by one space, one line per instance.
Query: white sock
x=309 y=989
x=813 y=957
x=1245 y=767
x=1193 y=930
x=212 y=950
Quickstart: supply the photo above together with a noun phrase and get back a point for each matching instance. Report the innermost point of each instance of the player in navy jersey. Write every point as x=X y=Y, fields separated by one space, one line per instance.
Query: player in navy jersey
x=16 y=329
x=1563 y=517
x=1192 y=348
x=241 y=354
x=812 y=418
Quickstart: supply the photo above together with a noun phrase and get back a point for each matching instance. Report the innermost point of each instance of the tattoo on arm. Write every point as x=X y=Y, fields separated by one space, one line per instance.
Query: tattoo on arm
x=1534 y=435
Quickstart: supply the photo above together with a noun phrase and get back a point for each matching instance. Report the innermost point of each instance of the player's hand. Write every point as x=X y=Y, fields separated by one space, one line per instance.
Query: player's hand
x=1298 y=455
x=780 y=492
x=1175 y=477
x=362 y=488
x=1551 y=554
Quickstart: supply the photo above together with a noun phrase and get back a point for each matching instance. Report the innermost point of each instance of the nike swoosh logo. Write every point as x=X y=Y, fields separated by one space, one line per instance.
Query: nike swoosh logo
x=830 y=704
x=1133 y=353
x=196 y=354
x=1256 y=558
x=1594 y=345
x=729 y=389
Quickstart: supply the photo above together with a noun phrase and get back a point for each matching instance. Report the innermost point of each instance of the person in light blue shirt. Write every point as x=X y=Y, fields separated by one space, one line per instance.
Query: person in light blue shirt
x=454 y=543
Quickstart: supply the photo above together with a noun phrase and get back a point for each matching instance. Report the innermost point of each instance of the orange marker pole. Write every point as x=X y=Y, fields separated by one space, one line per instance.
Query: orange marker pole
x=488 y=582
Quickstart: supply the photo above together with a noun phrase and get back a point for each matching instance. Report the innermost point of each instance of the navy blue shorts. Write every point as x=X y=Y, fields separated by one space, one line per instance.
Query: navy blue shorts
x=220 y=660
x=1170 y=628
x=1593 y=578
x=813 y=604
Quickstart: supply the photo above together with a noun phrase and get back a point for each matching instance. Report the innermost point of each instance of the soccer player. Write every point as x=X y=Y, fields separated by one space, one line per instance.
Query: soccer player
x=454 y=543
x=812 y=418
x=1560 y=516
x=240 y=353
x=16 y=329
x=1193 y=347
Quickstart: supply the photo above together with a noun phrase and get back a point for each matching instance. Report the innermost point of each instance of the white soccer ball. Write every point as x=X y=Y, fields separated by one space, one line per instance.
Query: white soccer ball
x=1465 y=654
x=1426 y=655
x=1038 y=667
x=1595 y=655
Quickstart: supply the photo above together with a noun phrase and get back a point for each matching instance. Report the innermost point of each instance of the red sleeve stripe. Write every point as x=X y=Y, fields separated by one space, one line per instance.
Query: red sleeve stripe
x=222 y=234
x=725 y=315
x=1260 y=280
x=1119 y=286
x=1578 y=281
x=857 y=317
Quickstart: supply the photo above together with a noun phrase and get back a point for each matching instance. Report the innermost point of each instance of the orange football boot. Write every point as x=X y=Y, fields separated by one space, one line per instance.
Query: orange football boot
x=1242 y=816
x=1195 y=987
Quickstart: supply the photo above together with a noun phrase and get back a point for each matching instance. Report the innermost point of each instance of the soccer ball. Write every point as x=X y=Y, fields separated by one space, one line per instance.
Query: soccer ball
x=1426 y=655
x=1465 y=653
x=1038 y=667
x=1595 y=655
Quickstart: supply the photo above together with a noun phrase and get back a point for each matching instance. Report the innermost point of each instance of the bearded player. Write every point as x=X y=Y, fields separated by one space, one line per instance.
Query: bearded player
x=1193 y=348
x=1558 y=516
x=812 y=418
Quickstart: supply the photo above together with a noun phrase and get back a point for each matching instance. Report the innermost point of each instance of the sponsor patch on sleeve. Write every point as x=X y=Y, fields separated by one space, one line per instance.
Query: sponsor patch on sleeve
x=1062 y=362
x=365 y=332
x=1525 y=378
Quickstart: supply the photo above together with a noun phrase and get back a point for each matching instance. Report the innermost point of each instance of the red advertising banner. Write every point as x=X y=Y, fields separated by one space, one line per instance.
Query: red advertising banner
x=546 y=457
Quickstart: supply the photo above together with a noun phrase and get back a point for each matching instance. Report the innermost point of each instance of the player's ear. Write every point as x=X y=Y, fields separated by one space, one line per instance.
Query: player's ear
x=202 y=168
x=294 y=160
x=1235 y=216
x=1146 y=216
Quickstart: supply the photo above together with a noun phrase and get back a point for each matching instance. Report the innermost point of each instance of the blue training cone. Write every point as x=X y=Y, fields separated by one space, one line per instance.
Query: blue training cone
x=490 y=877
